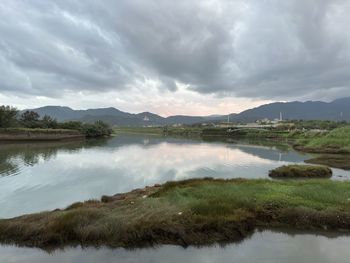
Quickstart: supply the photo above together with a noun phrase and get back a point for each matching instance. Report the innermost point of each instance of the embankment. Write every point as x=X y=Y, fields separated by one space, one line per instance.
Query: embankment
x=39 y=134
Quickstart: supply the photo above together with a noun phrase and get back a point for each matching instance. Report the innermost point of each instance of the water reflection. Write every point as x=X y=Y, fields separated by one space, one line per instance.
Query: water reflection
x=14 y=155
x=43 y=176
x=266 y=246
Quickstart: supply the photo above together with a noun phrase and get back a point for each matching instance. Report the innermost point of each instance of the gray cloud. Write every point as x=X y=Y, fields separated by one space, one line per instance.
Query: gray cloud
x=261 y=49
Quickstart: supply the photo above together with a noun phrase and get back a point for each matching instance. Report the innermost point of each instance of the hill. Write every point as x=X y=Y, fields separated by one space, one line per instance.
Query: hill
x=336 y=110
x=114 y=116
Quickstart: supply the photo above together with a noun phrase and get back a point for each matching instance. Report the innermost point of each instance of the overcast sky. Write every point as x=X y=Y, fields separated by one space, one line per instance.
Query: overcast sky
x=173 y=57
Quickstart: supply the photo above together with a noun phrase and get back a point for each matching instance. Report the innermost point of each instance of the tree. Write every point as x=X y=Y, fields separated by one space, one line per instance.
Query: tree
x=8 y=116
x=30 y=119
x=48 y=122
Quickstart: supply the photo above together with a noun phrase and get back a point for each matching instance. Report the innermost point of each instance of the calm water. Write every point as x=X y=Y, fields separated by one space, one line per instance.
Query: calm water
x=44 y=176
x=265 y=247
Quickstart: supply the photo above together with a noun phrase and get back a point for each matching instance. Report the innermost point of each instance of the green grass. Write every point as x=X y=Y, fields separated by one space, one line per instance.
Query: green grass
x=336 y=139
x=256 y=195
x=188 y=212
x=301 y=171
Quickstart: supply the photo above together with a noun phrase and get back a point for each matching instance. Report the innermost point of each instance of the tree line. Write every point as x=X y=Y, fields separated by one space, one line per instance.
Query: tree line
x=11 y=117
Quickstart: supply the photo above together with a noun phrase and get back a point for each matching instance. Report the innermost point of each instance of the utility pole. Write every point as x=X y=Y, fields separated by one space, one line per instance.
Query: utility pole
x=228 y=120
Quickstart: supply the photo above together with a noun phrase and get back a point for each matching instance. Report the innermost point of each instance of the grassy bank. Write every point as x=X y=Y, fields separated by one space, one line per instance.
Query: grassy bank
x=341 y=161
x=139 y=130
x=188 y=212
x=36 y=130
x=245 y=133
x=164 y=131
x=336 y=141
x=28 y=134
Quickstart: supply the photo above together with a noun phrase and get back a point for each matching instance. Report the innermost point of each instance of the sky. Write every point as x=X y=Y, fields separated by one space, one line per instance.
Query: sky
x=194 y=57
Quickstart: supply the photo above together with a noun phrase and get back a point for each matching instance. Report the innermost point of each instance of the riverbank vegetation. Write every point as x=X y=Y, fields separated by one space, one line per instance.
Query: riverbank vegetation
x=186 y=131
x=341 y=161
x=191 y=212
x=140 y=130
x=29 y=123
x=301 y=171
x=334 y=141
x=322 y=125
x=27 y=134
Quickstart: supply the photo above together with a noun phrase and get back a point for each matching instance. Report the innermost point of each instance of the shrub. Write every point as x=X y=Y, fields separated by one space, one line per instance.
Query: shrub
x=97 y=129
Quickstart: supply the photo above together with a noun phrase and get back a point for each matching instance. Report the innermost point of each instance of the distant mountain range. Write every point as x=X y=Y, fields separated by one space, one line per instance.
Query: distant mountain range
x=116 y=117
x=310 y=110
x=336 y=110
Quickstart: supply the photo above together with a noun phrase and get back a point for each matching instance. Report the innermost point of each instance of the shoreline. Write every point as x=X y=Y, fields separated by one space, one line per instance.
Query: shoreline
x=192 y=212
x=43 y=135
x=32 y=135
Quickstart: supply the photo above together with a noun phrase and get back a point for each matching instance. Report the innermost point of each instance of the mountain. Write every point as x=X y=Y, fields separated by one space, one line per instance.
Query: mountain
x=310 y=110
x=183 y=119
x=114 y=116
x=336 y=110
x=58 y=112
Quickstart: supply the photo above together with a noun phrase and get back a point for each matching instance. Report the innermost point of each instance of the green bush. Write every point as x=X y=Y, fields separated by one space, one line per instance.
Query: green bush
x=97 y=129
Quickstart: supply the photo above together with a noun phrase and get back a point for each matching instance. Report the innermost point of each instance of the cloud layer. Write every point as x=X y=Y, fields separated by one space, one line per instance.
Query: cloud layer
x=256 y=49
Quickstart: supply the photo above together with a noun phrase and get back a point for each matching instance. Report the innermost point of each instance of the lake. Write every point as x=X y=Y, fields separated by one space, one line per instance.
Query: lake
x=44 y=176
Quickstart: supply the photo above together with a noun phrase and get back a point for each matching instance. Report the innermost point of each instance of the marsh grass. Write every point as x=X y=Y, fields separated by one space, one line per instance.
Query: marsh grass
x=341 y=161
x=198 y=211
x=338 y=138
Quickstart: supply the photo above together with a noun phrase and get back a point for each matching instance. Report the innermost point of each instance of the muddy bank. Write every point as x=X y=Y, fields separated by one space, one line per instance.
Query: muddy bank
x=341 y=161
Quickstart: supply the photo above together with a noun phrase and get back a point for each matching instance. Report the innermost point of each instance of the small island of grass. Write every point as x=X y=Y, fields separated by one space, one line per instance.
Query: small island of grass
x=191 y=212
x=301 y=171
